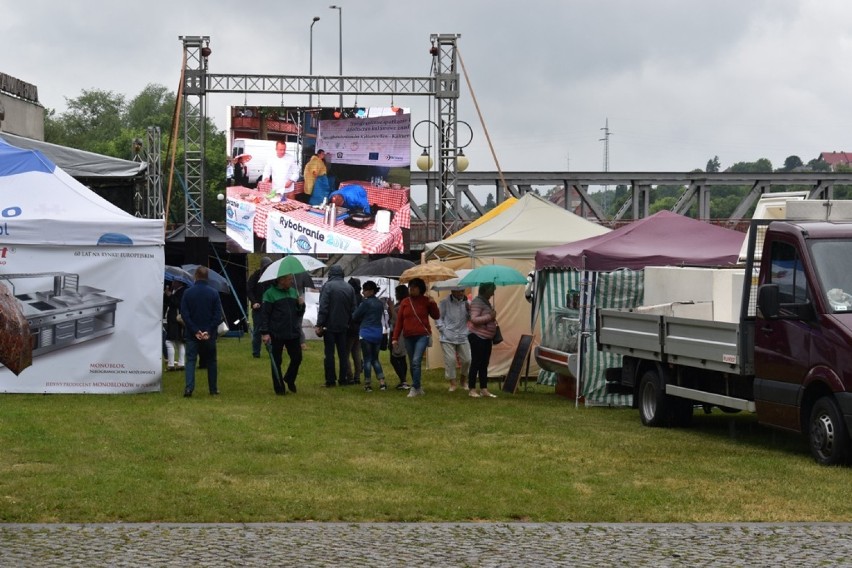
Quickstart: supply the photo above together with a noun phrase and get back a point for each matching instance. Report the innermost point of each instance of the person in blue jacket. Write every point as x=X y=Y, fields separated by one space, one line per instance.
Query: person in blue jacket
x=351 y=196
x=370 y=314
x=201 y=311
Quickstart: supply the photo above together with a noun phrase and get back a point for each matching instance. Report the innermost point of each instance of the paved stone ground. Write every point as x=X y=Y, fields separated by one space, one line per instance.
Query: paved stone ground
x=426 y=544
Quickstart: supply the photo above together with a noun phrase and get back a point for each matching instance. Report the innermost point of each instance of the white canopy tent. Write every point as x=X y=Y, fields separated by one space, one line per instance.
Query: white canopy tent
x=511 y=238
x=87 y=278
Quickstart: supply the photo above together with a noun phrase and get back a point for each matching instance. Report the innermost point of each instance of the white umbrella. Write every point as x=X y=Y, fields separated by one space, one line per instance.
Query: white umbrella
x=310 y=263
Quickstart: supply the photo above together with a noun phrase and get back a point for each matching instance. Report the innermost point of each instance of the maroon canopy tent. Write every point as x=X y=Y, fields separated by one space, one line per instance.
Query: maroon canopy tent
x=663 y=239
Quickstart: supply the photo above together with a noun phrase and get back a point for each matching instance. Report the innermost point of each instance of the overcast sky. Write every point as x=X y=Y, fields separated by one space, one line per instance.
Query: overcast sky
x=680 y=81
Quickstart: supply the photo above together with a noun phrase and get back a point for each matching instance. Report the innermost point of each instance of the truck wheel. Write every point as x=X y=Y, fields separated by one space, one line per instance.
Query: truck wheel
x=653 y=402
x=827 y=436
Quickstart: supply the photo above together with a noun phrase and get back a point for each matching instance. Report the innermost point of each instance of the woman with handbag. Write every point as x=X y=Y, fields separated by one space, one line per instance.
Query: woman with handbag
x=398 y=356
x=483 y=327
x=412 y=322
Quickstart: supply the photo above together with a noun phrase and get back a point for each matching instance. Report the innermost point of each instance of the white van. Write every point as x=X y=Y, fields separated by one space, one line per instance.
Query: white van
x=261 y=151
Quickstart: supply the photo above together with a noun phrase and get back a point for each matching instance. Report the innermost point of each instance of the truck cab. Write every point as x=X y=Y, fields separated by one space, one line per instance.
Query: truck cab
x=803 y=334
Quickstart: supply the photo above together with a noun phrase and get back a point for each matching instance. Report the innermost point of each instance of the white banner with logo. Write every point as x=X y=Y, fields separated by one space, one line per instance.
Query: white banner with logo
x=239 y=223
x=285 y=234
x=384 y=141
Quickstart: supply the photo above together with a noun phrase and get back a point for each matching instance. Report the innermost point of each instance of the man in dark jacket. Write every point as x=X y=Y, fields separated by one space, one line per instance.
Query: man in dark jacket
x=254 y=291
x=280 y=326
x=353 y=343
x=201 y=311
x=336 y=304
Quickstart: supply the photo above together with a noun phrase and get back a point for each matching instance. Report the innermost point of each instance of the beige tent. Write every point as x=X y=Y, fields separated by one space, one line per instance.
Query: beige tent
x=511 y=238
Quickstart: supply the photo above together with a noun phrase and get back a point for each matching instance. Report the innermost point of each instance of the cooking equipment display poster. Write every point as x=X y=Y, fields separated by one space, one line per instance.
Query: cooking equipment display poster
x=94 y=315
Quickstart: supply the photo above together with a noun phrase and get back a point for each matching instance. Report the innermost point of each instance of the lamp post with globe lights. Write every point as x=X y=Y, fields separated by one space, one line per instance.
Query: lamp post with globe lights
x=451 y=160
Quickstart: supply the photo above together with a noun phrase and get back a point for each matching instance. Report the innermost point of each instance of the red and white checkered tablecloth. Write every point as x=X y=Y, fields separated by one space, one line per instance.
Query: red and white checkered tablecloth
x=397 y=200
x=372 y=242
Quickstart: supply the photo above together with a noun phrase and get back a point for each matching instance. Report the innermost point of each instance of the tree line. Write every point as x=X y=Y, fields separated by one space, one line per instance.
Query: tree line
x=108 y=123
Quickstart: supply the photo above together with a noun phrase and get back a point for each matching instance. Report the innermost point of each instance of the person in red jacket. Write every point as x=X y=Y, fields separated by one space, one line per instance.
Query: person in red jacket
x=412 y=321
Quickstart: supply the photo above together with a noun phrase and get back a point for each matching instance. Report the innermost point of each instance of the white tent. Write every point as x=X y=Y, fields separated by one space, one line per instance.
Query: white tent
x=511 y=238
x=87 y=278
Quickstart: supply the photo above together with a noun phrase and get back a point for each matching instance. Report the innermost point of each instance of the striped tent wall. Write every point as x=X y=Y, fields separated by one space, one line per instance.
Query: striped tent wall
x=617 y=289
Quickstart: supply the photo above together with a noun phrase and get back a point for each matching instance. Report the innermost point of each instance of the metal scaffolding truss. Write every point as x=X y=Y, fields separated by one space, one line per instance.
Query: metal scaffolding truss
x=197 y=82
x=196 y=50
x=446 y=97
x=306 y=85
x=153 y=174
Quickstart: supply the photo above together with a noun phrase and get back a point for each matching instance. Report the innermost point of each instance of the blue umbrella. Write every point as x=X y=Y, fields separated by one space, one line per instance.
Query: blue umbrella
x=216 y=280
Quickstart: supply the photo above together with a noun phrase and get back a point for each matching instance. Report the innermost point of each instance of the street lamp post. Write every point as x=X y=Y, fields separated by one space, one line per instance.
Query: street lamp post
x=311 y=63
x=451 y=160
x=340 y=45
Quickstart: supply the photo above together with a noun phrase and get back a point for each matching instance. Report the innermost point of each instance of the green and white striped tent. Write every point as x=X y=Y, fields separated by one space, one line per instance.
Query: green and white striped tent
x=616 y=289
x=663 y=239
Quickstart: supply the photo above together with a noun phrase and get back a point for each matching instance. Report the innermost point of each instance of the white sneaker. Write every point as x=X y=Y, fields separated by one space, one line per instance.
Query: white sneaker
x=473 y=394
x=412 y=392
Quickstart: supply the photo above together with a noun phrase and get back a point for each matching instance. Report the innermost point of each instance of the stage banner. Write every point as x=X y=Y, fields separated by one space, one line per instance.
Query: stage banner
x=285 y=234
x=383 y=141
x=239 y=223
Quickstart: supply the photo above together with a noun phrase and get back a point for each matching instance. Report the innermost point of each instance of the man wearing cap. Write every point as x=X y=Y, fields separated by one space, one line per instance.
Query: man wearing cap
x=455 y=312
x=255 y=290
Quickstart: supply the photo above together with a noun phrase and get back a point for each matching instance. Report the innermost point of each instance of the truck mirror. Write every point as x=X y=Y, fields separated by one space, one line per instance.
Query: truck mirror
x=768 y=301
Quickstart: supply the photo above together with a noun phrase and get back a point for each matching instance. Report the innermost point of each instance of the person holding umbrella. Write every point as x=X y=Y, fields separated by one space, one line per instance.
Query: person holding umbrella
x=482 y=326
x=241 y=170
x=280 y=326
x=483 y=320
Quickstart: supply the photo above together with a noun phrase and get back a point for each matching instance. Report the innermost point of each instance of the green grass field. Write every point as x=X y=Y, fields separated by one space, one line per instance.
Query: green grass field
x=345 y=455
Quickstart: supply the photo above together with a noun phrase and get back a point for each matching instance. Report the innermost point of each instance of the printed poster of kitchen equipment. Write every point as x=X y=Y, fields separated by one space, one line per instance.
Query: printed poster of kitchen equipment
x=86 y=319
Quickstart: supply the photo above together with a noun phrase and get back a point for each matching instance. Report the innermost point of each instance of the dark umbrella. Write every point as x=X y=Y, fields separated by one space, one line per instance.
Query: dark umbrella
x=216 y=280
x=387 y=267
x=179 y=274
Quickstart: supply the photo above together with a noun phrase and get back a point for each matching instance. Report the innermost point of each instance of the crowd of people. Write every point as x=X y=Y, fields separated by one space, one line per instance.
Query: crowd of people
x=354 y=323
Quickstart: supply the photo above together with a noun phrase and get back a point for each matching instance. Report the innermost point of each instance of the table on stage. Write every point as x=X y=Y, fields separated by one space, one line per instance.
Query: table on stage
x=294 y=227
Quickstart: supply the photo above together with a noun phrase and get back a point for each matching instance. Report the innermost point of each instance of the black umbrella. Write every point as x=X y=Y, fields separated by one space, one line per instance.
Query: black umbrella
x=214 y=279
x=387 y=267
